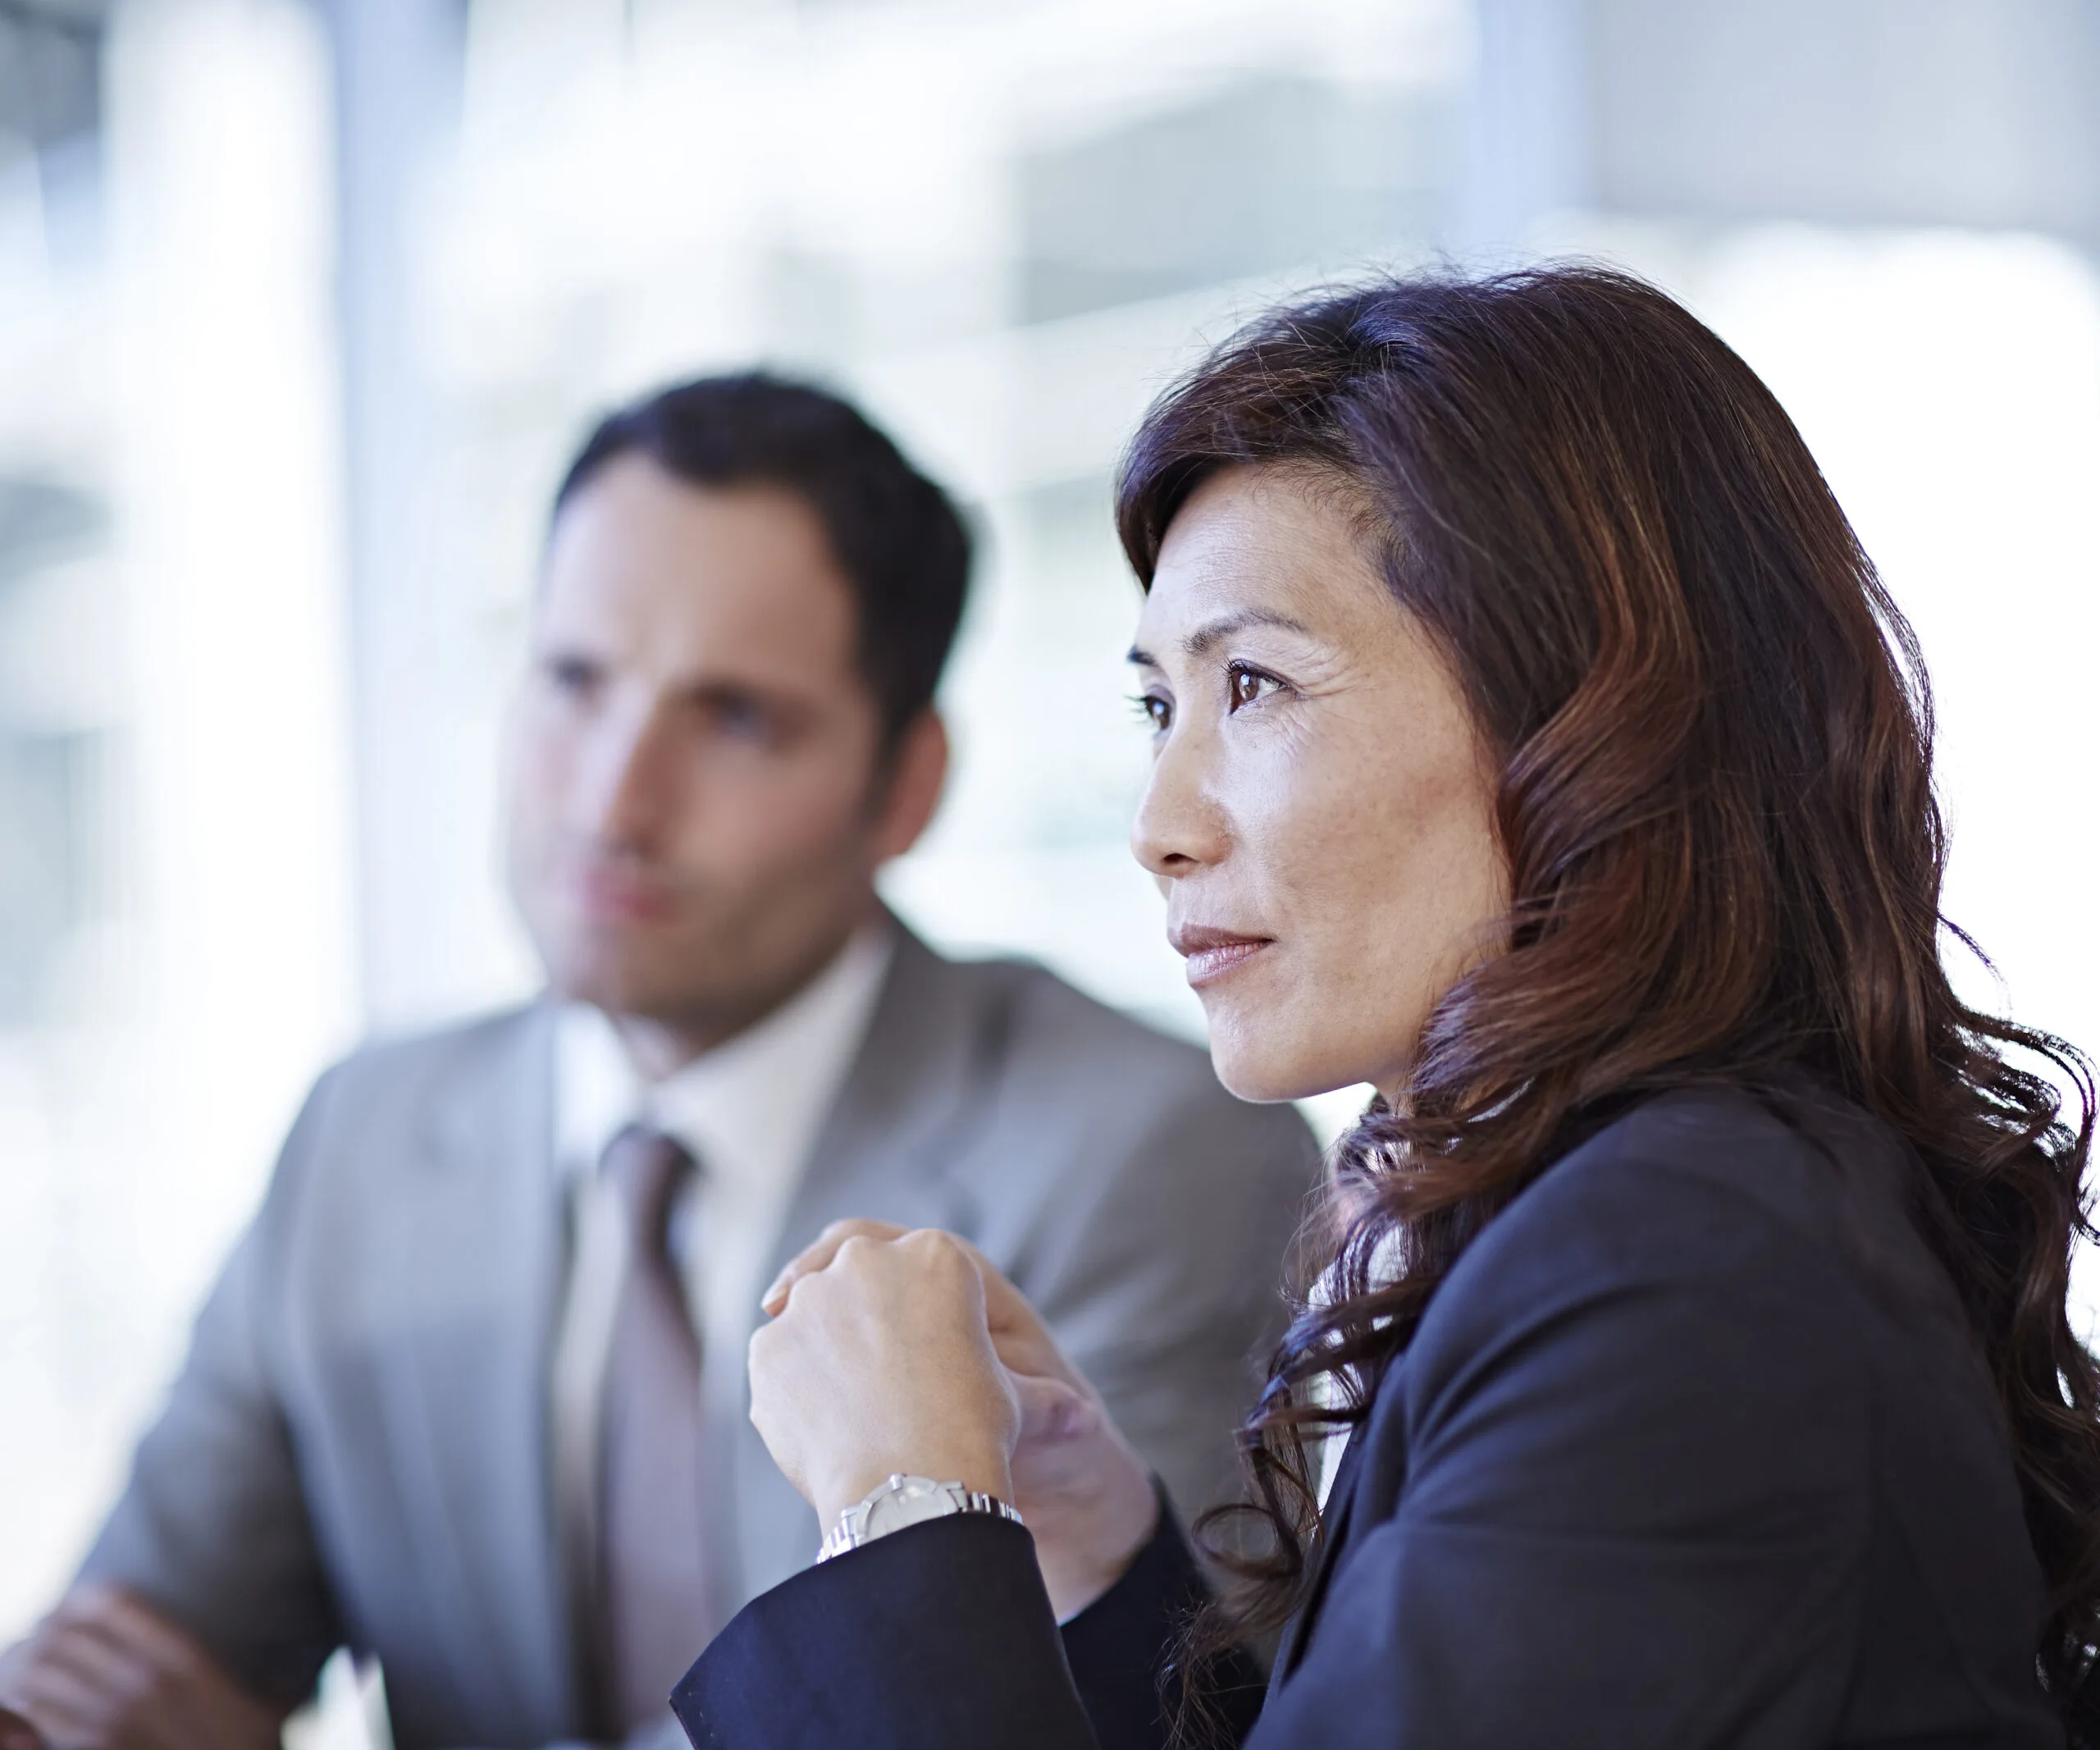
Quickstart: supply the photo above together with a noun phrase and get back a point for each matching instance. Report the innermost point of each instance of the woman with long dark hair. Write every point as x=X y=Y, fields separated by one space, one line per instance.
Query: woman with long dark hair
x=1533 y=741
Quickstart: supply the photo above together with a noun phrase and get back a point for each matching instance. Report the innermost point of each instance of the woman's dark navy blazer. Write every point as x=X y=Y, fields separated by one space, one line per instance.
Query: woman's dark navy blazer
x=1692 y=1448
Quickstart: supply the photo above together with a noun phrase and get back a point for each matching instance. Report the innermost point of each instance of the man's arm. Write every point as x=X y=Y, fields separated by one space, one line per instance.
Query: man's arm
x=17 y=1733
x=105 y=1672
x=204 y=1599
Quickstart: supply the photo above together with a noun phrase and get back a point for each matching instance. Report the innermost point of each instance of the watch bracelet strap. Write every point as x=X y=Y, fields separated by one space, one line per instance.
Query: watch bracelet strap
x=840 y=1539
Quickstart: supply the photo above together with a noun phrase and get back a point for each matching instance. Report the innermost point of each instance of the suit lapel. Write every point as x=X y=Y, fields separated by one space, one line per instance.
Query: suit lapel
x=932 y=1045
x=906 y=1109
x=484 y=1245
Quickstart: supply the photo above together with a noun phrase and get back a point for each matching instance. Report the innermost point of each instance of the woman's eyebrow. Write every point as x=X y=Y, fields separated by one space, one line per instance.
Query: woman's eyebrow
x=1196 y=642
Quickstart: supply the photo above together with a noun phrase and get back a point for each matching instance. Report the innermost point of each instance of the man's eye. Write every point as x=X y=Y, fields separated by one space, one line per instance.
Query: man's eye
x=1156 y=710
x=745 y=719
x=575 y=675
x=1244 y=685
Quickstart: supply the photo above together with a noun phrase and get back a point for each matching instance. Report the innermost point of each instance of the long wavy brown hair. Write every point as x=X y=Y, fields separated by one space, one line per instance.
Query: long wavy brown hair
x=1714 y=736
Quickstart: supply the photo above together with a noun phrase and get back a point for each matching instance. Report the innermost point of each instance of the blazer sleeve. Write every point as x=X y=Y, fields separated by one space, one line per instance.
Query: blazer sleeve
x=212 y=1528
x=941 y=1637
x=1617 y=1496
x=1637 y=1493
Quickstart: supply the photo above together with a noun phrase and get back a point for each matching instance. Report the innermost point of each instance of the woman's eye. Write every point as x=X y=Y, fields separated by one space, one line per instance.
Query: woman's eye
x=1244 y=685
x=1156 y=711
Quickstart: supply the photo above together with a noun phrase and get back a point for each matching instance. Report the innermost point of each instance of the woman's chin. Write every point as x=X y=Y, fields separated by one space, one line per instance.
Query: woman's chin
x=1267 y=1071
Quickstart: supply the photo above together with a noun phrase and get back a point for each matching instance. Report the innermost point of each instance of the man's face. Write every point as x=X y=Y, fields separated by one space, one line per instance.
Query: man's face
x=693 y=822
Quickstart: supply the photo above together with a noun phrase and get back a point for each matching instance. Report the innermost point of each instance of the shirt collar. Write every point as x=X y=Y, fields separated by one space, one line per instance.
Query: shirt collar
x=749 y=1110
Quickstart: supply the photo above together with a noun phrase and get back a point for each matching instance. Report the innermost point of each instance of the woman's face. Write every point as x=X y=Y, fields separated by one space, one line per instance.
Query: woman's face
x=1320 y=813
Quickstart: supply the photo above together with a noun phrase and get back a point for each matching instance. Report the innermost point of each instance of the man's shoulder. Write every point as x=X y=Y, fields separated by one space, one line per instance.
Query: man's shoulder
x=1044 y=1001
x=1072 y=1059
x=468 y=1039
x=408 y=1065
x=1052 y=1027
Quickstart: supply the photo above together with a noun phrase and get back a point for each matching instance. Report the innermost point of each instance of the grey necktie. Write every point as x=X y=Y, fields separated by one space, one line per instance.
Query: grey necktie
x=658 y=1616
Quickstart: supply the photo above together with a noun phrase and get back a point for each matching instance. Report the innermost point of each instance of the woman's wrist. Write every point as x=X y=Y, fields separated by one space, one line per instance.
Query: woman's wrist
x=986 y=1473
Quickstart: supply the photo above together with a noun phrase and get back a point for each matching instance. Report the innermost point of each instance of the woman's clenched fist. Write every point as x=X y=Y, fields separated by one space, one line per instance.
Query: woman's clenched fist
x=881 y=1361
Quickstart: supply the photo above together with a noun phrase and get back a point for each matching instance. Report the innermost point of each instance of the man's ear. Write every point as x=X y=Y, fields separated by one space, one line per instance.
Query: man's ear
x=918 y=769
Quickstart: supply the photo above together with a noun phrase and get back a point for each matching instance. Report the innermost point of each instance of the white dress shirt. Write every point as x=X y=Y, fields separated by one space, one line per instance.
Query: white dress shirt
x=748 y=1113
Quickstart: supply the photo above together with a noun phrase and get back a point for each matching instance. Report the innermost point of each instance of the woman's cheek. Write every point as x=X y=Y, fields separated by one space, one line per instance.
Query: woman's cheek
x=1270 y=783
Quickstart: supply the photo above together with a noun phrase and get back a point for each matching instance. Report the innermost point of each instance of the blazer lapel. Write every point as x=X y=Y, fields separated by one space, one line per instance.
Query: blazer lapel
x=484 y=1241
x=1334 y=1535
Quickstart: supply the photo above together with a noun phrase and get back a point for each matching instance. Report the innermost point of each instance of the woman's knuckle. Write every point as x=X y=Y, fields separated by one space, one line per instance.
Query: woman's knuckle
x=941 y=1253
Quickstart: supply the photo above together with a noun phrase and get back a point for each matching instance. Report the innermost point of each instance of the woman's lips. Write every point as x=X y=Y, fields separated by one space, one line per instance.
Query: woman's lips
x=1211 y=954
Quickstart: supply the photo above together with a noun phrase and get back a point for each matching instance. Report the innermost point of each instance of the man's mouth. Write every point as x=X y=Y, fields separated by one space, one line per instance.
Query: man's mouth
x=614 y=892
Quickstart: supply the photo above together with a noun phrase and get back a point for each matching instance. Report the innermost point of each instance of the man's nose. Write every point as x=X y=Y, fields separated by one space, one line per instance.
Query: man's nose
x=1179 y=827
x=628 y=788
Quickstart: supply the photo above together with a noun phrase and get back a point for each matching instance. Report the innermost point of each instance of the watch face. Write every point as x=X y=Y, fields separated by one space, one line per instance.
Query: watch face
x=914 y=1500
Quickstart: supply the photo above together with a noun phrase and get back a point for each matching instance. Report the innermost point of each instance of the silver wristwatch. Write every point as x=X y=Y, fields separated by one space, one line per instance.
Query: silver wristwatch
x=901 y=1501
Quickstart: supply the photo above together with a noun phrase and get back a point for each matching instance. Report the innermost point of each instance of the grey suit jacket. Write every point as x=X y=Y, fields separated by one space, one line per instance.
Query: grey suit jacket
x=356 y=1448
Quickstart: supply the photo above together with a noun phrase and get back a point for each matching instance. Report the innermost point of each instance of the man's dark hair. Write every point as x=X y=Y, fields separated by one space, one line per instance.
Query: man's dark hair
x=895 y=534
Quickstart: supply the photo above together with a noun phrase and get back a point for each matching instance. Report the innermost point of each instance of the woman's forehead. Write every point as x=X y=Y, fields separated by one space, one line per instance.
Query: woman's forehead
x=1257 y=545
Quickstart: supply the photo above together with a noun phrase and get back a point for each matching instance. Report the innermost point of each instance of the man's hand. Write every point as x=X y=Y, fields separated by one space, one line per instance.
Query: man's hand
x=17 y=1733
x=103 y=1672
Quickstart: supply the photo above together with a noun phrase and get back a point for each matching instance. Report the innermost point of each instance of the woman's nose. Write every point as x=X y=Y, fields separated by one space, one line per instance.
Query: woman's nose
x=1178 y=828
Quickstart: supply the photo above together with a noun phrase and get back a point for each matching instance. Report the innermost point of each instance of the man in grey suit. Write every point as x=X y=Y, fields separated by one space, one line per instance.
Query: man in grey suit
x=469 y=1396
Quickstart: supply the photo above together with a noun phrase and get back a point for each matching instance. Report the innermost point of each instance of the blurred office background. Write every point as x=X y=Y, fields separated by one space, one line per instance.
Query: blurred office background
x=302 y=306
